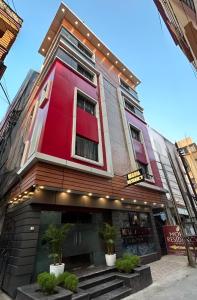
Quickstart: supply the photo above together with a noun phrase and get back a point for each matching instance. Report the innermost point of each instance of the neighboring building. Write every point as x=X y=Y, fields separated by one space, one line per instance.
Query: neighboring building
x=189 y=152
x=173 y=178
x=12 y=140
x=180 y=19
x=84 y=131
x=10 y=24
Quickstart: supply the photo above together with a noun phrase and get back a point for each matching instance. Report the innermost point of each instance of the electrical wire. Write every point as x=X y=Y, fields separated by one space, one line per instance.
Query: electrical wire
x=4 y=91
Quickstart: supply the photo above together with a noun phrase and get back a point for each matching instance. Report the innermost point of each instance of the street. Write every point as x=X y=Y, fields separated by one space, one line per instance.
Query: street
x=172 y=280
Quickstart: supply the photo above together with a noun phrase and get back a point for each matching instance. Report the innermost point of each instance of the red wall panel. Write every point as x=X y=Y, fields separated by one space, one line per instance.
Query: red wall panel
x=87 y=125
x=142 y=126
x=57 y=136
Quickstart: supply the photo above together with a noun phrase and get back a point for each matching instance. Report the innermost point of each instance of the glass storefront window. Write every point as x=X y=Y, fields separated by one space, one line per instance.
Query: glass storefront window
x=137 y=234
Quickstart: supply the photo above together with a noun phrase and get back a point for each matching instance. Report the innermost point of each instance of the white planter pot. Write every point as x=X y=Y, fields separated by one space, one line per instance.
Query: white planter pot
x=57 y=269
x=110 y=259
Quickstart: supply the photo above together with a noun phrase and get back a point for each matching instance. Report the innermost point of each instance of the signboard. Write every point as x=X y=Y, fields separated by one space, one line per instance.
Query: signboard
x=135 y=177
x=174 y=240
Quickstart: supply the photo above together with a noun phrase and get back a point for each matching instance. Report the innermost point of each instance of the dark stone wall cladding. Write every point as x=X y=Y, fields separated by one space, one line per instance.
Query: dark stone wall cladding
x=18 y=244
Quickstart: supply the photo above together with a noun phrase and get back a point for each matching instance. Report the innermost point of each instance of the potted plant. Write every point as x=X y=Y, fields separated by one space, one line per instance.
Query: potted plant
x=54 y=236
x=109 y=233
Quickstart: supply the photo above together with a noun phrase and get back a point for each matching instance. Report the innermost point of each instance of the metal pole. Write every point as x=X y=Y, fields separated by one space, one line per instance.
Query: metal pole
x=186 y=185
x=191 y=261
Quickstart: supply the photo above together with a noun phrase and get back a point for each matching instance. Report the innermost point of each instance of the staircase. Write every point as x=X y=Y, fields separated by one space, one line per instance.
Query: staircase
x=103 y=285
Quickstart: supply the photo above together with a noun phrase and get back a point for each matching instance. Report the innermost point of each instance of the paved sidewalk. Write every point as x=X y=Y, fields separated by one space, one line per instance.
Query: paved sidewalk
x=172 y=280
x=4 y=296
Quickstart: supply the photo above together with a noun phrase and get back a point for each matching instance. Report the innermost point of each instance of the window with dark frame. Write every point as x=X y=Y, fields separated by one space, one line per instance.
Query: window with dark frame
x=86 y=148
x=129 y=106
x=84 y=50
x=85 y=72
x=189 y=3
x=135 y=133
x=144 y=168
x=84 y=103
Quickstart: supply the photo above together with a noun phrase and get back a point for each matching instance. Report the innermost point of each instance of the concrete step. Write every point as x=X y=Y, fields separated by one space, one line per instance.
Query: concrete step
x=104 y=288
x=116 y=294
x=85 y=284
x=94 y=272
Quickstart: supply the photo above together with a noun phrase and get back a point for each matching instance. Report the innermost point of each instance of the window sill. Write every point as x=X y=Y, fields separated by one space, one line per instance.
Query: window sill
x=93 y=162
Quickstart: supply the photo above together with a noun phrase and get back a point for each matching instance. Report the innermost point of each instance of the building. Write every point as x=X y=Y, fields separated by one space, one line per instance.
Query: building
x=83 y=131
x=180 y=19
x=188 y=150
x=10 y=24
x=174 y=180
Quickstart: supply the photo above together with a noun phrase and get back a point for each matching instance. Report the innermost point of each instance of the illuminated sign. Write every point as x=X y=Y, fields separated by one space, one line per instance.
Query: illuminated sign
x=135 y=177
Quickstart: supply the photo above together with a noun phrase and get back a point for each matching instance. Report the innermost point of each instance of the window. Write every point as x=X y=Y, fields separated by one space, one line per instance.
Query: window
x=124 y=85
x=129 y=89
x=84 y=50
x=85 y=72
x=71 y=61
x=190 y=3
x=129 y=106
x=144 y=168
x=86 y=148
x=76 y=42
x=135 y=133
x=85 y=104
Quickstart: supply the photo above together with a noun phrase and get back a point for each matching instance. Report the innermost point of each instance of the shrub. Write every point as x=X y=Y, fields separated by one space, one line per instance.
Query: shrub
x=47 y=283
x=127 y=263
x=109 y=234
x=61 y=278
x=71 y=282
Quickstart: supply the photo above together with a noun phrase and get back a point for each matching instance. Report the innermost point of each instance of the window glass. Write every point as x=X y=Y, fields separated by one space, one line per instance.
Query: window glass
x=137 y=233
x=135 y=134
x=85 y=72
x=86 y=148
x=85 y=104
x=129 y=106
x=82 y=48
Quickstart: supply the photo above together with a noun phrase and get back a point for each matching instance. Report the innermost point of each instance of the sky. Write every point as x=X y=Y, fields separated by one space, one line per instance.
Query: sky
x=134 y=31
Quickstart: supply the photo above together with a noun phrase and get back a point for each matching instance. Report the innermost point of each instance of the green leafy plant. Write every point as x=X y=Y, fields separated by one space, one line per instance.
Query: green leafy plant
x=71 y=283
x=61 y=278
x=127 y=263
x=54 y=237
x=47 y=283
x=109 y=233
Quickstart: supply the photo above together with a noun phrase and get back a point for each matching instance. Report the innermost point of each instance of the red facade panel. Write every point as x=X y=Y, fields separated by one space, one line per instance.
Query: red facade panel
x=142 y=127
x=58 y=130
x=87 y=125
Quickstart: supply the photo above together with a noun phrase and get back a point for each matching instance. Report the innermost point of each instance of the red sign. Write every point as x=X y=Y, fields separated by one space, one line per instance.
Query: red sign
x=175 y=242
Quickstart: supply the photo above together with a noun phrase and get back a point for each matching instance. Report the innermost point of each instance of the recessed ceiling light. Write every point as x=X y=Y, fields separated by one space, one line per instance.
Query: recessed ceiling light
x=41 y=187
x=25 y=192
x=124 y=69
x=116 y=61
x=98 y=44
x=76 y=22
x=134 y=201
x=131 y=76
x=107 y=197
x=122 y=199
x=43 y=49
x=68 y=191
x=89 y=194
x=88 y=34
x=20 y=196
x=63 y=9
x=162 y=205
x=154 y=203
x=15 y=199
x=137 y=82
x=108 y=53
x=145 y=202
x=49 y=38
